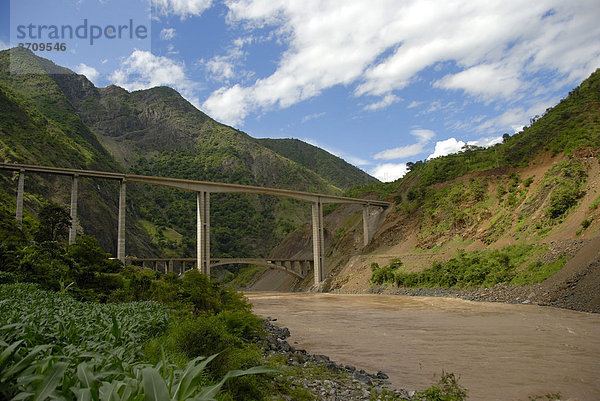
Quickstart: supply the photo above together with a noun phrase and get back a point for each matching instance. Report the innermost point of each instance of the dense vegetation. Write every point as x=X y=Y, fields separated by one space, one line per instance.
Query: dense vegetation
x=136 y=327
x=242 y=224
x=514 y=264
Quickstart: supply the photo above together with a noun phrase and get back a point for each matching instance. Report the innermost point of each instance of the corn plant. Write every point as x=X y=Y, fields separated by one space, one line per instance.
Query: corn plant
x=52 y=346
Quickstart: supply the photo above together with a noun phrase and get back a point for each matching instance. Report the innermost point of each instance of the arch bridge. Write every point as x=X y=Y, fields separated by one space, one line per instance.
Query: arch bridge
x=203 y=190
x=298 y=268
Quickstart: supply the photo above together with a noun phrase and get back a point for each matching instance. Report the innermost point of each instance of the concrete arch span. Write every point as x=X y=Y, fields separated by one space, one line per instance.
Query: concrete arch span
x=260 y=262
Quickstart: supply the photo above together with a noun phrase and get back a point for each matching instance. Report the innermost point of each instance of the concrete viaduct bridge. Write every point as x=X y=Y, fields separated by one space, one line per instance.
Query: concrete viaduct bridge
x=203 y=190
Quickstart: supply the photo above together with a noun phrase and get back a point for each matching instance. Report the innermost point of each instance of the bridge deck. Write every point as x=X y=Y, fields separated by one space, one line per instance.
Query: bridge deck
x=195 y=185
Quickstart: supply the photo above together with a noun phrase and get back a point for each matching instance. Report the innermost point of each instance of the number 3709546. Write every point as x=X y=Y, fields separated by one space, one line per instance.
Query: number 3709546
x=44 y=47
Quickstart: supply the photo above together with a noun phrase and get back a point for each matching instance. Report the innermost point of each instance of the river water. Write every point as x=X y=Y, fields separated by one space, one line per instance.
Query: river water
x=500 y=351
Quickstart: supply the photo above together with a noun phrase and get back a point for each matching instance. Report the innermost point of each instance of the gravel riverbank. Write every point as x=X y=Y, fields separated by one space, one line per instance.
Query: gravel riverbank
x=575 y=293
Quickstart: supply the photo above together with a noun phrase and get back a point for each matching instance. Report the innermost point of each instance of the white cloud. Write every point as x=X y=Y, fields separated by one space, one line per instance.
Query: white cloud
x=167 y=33
x=312 y=116
x=228 y=105
x=443 y=148
x=486 y=142
x=383 y=103
x=90 y=72
x=486 y=81
x=4 y=46
x=414 y=104
x=223 y=67
x=423 y=137
x=451 y=145
x=379 y=47
x=389 y=172
x=400 y=152
x=181 y=8
x=220 y=68
x=143 y=70
x=515 y=117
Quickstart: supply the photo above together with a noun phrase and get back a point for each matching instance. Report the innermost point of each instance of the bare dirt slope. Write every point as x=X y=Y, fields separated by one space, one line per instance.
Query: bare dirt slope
x=576 y=286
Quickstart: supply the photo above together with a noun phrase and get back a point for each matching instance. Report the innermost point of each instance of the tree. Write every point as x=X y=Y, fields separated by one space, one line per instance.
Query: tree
x=54 y=223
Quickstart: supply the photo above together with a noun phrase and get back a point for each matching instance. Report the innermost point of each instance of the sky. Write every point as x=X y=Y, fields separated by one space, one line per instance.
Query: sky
x=376 y=82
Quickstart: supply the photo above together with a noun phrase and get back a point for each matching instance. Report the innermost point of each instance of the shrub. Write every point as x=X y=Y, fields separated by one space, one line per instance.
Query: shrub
x=447 y=389
x=54 y=223
x=527 y=183
x=46 y=264
x=564 y=196
x=7 y=278
x=471 y=269
x=586 y=223
x=500 y=191
x=385 y=274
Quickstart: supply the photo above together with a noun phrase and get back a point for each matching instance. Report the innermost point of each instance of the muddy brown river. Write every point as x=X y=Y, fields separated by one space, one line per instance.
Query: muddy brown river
x=500 y=351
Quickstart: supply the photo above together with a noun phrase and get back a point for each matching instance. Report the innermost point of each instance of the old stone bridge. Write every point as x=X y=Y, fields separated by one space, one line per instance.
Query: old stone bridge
x=203 y=189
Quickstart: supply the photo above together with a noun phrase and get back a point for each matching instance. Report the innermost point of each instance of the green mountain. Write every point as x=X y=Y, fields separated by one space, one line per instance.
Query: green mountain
x=154 y=132
x=39 y=126
x=513 y=215
x=334 y=169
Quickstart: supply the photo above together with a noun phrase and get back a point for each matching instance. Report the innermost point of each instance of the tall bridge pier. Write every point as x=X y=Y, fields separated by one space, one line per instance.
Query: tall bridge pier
x=203 y=190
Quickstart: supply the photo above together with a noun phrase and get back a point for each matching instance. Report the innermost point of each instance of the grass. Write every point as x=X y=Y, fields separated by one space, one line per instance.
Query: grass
x=455 y=242
x=537 y=272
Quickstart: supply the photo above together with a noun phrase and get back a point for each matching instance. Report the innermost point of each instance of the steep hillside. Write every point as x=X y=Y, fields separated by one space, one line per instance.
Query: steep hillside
x=328 y=166
x=156 y=132
x=38 y=126
x=496 y=217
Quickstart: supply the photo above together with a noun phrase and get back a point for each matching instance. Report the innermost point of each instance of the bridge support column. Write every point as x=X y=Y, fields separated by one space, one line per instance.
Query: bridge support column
x=121 y=223
x=73 y=229
x=366 y=232
x=318 y=241
x=20 y=196
x=203 y=232
x=297 y=267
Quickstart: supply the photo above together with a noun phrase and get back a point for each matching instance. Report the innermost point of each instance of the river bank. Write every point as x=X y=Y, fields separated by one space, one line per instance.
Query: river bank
x=580 y=293
x=325 y=379
x=576 y=286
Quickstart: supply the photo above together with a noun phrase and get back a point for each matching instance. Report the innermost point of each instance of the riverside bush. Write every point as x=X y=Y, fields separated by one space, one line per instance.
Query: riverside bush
x=381 y=275
x=471 y=269
x=447 y=389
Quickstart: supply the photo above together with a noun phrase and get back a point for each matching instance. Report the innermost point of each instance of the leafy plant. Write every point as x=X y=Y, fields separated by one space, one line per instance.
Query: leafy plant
x=54 y=346
x=447 y=389
x=54 y=223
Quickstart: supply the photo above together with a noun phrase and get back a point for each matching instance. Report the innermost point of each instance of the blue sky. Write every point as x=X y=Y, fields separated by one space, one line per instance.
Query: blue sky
x=376 y=82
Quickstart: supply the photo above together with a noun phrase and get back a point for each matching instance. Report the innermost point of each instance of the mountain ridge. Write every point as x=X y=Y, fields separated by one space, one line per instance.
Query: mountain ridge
x=158 y=132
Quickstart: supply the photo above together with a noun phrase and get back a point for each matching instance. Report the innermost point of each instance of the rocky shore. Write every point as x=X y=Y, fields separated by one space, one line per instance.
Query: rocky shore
x=336 y=382
x=576 y=293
